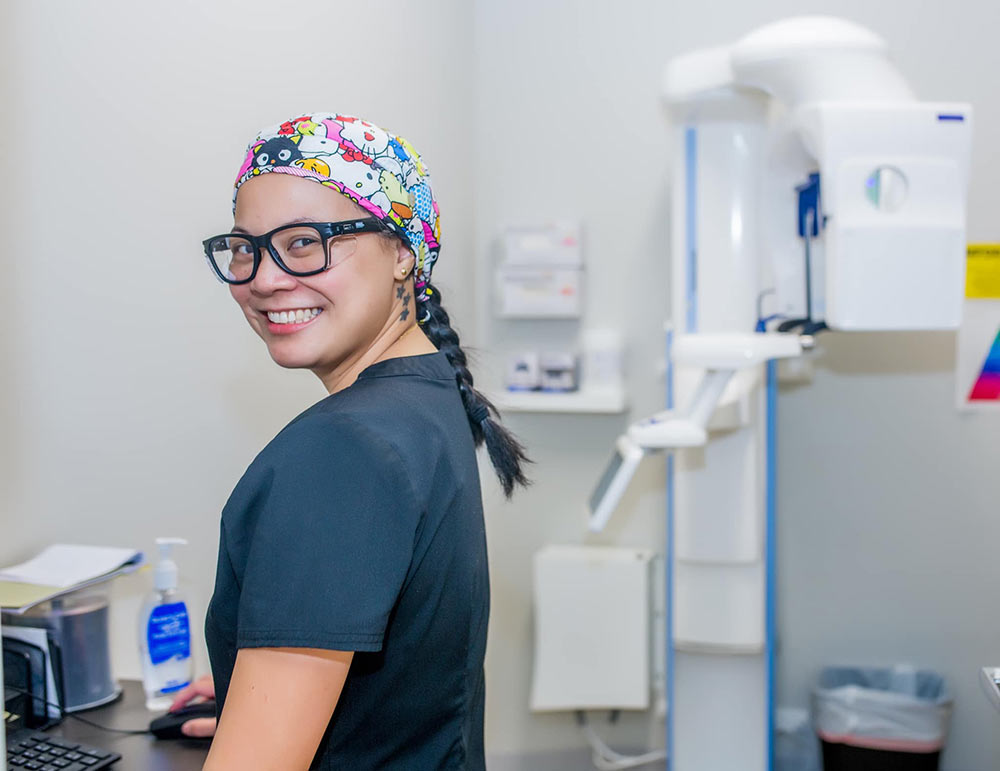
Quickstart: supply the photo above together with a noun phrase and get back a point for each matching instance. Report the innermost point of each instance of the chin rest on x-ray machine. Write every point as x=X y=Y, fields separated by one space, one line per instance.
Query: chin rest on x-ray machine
x=721 y=356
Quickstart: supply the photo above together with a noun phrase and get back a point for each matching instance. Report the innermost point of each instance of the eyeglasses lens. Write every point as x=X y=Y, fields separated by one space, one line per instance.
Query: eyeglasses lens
x=300 y=249
x=341 y=248
x=233 y=257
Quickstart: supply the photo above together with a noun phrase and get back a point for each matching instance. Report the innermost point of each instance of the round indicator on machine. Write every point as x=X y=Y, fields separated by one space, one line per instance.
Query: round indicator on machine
x=886 y=187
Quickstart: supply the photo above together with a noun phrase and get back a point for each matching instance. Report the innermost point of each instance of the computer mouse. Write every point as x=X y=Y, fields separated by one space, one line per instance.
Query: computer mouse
x=168 y=726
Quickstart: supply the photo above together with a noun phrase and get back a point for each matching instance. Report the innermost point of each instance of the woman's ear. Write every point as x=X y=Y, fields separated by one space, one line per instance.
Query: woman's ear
x=404 y=258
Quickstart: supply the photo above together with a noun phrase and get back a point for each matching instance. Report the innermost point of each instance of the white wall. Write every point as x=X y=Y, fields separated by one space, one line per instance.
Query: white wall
x=134 y=396
x=134 y=393
x=570 y=125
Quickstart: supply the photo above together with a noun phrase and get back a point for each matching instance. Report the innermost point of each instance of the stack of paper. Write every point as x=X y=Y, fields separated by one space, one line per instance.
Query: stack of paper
x=60 y=569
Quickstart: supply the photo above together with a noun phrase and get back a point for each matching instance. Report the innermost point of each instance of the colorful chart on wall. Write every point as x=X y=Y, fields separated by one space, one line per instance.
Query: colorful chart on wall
x=977 y=369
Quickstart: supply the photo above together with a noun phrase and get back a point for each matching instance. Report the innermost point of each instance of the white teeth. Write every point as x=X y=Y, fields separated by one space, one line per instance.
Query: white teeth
x=292 y=317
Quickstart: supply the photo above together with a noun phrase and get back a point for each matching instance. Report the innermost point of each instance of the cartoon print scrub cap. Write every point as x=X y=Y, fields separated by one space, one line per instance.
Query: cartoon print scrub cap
x=379 y=171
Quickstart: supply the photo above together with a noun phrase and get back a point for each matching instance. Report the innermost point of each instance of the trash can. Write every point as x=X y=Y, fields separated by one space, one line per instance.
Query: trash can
x=881 y=719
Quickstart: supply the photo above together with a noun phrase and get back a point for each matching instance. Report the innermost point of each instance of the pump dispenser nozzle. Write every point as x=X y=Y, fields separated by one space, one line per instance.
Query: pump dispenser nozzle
x=165 y=574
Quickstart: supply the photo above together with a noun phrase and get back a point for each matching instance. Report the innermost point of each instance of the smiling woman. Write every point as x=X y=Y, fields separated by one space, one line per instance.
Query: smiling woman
x=348 y=624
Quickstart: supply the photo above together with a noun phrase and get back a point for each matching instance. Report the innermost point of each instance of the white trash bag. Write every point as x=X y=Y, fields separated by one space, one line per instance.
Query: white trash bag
x=900 y=709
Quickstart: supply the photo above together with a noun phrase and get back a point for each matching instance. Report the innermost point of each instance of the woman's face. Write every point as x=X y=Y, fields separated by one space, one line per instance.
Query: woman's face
x=354 y=298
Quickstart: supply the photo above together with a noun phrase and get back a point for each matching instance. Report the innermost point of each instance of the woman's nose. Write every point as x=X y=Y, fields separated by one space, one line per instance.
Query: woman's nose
x=270 y=277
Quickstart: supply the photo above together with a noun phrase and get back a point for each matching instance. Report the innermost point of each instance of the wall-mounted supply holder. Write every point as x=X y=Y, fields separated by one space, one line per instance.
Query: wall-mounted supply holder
x=556 y=366
x=540 y=275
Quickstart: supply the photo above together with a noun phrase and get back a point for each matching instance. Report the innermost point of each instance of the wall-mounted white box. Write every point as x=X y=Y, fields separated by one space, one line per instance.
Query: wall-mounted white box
x=541 y=271
x=592 y=628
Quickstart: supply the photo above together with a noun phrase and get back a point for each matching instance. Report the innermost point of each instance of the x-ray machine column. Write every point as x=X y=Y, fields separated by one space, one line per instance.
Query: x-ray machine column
x=719 y=665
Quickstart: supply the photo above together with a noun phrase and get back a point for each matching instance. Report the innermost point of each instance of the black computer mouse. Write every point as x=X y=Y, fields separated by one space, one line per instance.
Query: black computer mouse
x=168 y=726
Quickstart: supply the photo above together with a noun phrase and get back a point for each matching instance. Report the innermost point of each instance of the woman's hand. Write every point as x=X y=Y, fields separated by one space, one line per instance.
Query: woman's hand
x=202 y=727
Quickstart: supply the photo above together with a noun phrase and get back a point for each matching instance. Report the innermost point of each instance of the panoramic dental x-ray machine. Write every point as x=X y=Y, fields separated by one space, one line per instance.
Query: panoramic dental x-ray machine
x=811 y=191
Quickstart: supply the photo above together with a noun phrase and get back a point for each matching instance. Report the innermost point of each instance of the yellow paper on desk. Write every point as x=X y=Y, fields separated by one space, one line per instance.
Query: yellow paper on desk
x=14 y=595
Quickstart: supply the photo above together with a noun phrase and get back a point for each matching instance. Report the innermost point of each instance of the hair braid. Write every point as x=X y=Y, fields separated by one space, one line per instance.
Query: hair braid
x=506 y=453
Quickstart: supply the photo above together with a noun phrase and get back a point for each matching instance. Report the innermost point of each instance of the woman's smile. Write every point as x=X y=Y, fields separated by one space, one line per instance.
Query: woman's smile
x=284 y=322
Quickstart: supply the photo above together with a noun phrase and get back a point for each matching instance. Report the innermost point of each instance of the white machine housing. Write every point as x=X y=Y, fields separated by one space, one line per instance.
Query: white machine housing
x=890 y=254
x=893 y=180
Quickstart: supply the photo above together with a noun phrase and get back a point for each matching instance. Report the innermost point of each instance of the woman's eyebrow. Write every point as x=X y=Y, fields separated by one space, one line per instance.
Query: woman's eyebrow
x=238 y=229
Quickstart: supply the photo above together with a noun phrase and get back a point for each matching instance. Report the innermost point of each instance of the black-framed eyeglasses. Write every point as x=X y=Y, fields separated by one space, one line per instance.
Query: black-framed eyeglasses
x=299 y=249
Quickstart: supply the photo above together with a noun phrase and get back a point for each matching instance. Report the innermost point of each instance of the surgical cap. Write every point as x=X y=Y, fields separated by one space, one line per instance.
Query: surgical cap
x=378 y=170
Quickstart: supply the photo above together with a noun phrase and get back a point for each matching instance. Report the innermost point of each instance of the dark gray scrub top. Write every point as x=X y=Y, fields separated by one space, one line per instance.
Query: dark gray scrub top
x=360 y=527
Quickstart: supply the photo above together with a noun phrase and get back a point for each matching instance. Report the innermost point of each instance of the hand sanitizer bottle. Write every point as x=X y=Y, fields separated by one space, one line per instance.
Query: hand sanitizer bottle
x=164 y=633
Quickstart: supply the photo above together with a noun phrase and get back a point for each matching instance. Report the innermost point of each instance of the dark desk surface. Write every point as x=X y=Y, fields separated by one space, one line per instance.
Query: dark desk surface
x=139 y=753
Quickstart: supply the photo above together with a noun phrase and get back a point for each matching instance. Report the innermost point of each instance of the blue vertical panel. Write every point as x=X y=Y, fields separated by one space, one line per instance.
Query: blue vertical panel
x=669 y=571
x=770 y=544
x=691 y=225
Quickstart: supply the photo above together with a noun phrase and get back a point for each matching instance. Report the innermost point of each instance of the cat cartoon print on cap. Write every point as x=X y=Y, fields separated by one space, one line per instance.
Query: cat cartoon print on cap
x=379 y=171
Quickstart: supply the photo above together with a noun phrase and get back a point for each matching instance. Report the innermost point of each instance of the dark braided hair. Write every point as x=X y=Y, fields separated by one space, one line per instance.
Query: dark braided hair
x=506 y=452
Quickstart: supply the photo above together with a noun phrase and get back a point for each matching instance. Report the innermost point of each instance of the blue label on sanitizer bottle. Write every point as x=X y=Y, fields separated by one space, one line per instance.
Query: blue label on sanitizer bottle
x=169 y=633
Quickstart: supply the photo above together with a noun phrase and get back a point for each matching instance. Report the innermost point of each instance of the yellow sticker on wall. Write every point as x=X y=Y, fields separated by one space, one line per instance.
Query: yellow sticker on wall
x=982 y=272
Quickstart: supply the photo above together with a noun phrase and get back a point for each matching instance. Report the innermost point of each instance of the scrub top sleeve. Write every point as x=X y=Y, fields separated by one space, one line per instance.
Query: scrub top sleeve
x=333 y=543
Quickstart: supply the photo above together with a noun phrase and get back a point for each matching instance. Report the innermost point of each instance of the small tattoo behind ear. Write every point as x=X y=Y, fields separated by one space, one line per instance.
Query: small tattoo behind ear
x=406 y=303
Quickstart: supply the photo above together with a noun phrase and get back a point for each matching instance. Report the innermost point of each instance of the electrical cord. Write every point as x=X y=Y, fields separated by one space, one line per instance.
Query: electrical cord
x=808 y=324
x=607 y=759
x=63 y=714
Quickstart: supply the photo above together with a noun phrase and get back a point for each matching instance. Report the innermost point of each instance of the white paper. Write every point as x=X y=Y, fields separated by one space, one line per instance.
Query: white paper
x=65 y=565
x=39 y=638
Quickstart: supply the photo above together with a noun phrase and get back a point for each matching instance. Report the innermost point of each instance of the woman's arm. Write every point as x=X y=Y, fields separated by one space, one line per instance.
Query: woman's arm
x=279 y=703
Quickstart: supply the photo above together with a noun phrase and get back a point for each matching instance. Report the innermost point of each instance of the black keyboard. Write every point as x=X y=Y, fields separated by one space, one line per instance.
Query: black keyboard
x=41 y=752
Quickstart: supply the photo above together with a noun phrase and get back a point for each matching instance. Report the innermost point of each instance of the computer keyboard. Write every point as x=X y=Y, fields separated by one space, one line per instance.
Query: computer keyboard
x=27 y=749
